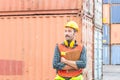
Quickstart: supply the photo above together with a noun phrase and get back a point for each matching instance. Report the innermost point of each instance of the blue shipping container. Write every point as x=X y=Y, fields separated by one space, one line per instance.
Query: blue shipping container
x=106 y=54
x=106 y=34
x=111 y=1
x=105 y=1
x=114 y=1
x=115 y=14
x=115 y=54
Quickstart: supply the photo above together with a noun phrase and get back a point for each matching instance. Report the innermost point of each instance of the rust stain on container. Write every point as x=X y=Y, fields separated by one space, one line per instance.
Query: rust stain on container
x=115 y=33
x=27 y=5
x=106 y=13
x=32 y=39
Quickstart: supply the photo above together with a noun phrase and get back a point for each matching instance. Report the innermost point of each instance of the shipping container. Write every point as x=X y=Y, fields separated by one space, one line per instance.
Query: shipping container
x=98 y=5
x=84 y=31
x=87 y=26
x=115 y=33
x=115 y=53
x=87 y=40
x=106 y=13
x=115 y=11
x=115 y=1
x=97 y=54
x=98 y=13
x=106 y=1
x=106 y=34
x=88 y=8
x=89 y=66
x=106 y=54
x=27 y=45
x=111 y=1
x=39 y=5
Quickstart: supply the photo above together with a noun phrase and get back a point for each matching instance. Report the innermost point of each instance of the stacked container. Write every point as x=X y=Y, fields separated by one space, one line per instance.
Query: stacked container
x=106 y=33
x=28 y=34
x=30 y=30
x=115 y=29
x=87 y=40
x=27 y=45
x=111 y=20
x=106 y=44
x=87 y=37
x=98 y=40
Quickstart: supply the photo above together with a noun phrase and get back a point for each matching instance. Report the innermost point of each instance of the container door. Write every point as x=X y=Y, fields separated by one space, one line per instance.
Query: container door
x=115 y=53
x=106 y=54
x=115 y=11
x=97 y=55
x=106 y=35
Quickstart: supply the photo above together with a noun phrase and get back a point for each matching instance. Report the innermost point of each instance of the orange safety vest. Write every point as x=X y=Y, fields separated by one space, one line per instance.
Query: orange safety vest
x=69 y=73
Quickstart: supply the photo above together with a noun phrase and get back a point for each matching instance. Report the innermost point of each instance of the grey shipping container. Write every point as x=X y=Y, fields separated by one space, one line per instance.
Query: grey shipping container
x=98 y=14
x=88 y=7
x=97 y=54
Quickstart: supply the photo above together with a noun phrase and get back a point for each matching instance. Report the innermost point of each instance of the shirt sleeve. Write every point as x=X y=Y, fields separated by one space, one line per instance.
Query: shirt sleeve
x=56 y=60
x=82 y=62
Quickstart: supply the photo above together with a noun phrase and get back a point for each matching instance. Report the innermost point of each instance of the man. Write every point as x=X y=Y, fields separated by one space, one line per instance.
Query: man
x=69 y=57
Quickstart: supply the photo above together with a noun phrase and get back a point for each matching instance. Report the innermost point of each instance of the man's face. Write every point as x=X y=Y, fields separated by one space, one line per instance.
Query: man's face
x=69 y=33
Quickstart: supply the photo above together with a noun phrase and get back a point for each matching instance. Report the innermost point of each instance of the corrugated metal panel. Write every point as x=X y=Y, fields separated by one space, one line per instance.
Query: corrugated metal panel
x=87 y=31
x=100 y=55
x=97 y=54
x=111 y=1
x=87 y=40
x=105 y=1
x=84 y=31
x=29 y=5
x=106 y=13
x=98 y=5
x=89 y=59
x=115 y=33
x=115 y=11
x=114 y=1
x=99 y=1
x=98 y=20
x=88 y=7
x=115 y=53
x=98 y=14
x=106 y=34
x=106 y=54
x=84 y=37
x=89 y=25
x=31 y=40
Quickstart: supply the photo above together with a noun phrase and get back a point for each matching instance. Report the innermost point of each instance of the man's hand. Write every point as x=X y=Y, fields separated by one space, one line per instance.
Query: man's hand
x=67 y=67
x=68 y=62
x=63 y=60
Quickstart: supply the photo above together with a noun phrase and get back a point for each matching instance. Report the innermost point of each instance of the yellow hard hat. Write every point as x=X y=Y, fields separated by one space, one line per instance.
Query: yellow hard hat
x=72 y=24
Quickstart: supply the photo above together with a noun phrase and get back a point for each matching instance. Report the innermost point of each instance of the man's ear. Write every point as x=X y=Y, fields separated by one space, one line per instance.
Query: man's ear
x=75 y=34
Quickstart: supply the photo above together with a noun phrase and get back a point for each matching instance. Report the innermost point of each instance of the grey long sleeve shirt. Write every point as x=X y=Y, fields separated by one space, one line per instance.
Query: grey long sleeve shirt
x=58 y=65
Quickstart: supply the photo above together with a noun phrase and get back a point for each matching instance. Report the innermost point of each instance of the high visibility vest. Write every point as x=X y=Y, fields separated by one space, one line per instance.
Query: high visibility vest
x=63 y=53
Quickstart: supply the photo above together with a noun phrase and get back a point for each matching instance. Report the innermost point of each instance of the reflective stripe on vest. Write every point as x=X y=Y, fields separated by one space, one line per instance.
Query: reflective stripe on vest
x=73 y=56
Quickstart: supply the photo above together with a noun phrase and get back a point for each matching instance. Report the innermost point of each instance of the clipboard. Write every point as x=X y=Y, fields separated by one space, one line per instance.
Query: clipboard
x=73 y=55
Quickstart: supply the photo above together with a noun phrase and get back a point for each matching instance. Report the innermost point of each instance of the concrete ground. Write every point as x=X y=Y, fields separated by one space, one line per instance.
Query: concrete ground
x=111 y=72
